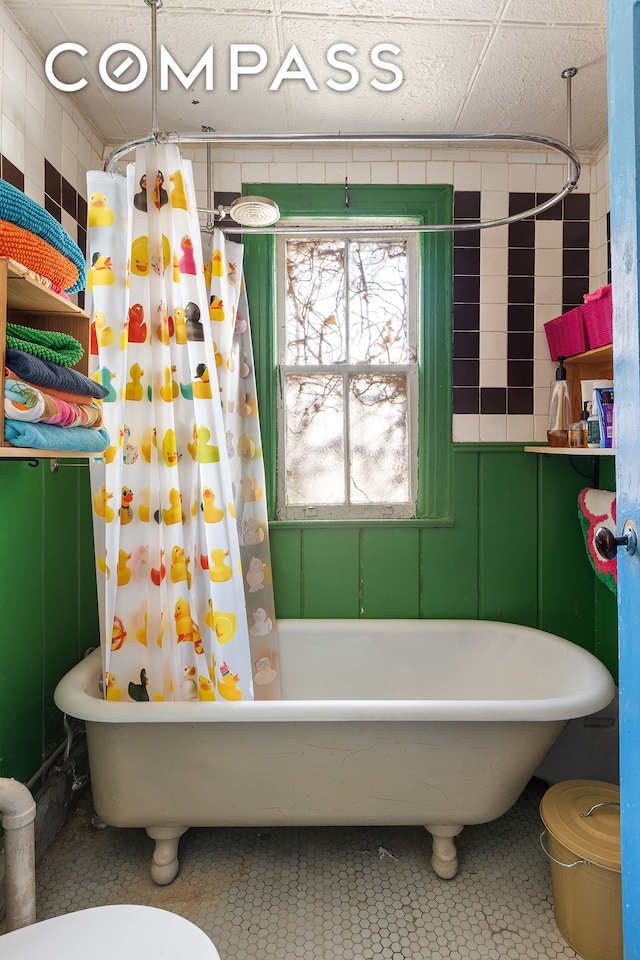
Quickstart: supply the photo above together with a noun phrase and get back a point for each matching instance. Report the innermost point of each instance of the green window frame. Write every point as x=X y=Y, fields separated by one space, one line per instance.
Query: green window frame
x=430 y=204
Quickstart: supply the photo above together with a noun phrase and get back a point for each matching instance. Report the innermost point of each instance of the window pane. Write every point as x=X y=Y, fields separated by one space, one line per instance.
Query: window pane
x=314 y=440
x=378 y=439
x=378 y=301
x=315 y=301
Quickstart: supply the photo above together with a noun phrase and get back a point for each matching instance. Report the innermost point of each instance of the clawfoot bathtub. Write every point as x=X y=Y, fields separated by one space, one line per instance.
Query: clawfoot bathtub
x=433 y=722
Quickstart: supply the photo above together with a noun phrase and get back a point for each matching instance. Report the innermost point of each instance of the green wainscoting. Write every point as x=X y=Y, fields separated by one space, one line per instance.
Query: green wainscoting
x=48 y=606
x=514 y=552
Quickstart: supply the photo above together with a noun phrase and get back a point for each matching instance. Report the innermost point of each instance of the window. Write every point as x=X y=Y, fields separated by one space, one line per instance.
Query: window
x=347 y=354
x=321 y=368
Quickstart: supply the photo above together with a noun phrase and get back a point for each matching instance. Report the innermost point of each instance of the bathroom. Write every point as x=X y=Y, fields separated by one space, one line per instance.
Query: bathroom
x=501 y=539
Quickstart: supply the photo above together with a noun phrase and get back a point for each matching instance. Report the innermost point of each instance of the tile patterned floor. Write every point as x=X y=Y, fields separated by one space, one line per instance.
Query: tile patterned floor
x=334 y=892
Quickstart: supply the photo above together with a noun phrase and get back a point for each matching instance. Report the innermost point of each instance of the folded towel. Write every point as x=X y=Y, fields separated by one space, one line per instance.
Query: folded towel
x=36 y=277
x=44 y=436
x=46 y=344
x=22 y=401
x=85 y=415
x=60 y=291
x=39 y=256
x=20 y=210
x=39 y=278
x=46 y=374
x=50 y=391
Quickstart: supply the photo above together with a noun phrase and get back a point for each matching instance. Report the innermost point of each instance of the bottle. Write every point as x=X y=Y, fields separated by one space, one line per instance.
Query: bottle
x=578 y=432
x=605 y=405
x=593 y=424
x=559 y=409
x=593 y=429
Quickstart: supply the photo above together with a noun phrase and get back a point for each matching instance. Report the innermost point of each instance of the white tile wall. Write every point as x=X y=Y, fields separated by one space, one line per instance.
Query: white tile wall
x=493 y=371
x=493 y=261
x=599 y=210
x=38 y=122
x=494 y=204
x=493 y=317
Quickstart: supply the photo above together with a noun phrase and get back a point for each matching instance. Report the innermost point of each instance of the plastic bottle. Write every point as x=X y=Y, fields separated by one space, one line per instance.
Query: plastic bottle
x=578 y=432
x=593 y=423
x=559 y=409
x=593 y=430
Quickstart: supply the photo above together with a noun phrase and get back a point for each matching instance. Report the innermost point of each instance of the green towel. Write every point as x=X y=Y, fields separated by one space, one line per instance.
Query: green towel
x=59 y=348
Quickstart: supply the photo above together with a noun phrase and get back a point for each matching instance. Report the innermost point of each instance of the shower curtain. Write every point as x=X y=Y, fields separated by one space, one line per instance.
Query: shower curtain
x=180 y=525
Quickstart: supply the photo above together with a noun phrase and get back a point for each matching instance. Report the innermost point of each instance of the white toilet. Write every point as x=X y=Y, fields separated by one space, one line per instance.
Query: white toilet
x=123 y=931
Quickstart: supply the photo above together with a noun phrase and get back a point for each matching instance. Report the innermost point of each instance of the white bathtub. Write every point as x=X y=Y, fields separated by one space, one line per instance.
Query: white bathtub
x=433 y=722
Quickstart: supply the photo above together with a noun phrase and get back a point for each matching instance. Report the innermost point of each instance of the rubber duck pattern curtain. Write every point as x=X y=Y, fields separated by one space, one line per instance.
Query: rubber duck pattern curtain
x=180 y=521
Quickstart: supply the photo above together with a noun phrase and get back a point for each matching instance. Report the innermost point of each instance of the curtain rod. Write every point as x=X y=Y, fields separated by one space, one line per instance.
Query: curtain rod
x=207 y=137
x=324 y=139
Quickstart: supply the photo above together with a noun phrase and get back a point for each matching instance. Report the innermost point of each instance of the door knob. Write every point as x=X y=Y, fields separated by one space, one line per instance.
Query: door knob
x=607 y=544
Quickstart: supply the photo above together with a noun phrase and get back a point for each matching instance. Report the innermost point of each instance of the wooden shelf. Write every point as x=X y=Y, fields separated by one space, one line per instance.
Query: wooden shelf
x=573 y=451
x=25 y=301
x=589 y=358
x=9 y=452
x=26 y=294
x=593 y=365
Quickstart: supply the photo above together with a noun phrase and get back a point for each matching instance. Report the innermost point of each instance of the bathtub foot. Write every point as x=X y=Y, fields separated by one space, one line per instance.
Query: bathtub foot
x=444 y=858
x=164 y=865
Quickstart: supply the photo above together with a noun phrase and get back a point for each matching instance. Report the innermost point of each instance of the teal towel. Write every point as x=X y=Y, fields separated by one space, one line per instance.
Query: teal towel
x=17 y=208
x=45 y=436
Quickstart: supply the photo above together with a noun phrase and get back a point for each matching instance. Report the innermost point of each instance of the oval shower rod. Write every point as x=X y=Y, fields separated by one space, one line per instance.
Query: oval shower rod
x=216 y=139
x=208 y=136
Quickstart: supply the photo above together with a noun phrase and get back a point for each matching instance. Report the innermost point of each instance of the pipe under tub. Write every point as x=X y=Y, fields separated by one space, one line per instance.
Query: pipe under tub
x=18 y=809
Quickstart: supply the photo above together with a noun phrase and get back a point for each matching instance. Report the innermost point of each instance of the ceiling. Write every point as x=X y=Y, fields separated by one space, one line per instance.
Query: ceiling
x=486 y=66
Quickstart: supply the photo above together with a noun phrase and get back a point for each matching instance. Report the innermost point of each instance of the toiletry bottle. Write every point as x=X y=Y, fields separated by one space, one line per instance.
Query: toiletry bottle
x=578 y=432
x=593 y=427
x=559 y=409
x=605 y=405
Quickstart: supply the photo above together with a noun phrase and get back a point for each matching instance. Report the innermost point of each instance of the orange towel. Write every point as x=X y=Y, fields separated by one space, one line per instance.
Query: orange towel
x=36 y=254
x=58 y=394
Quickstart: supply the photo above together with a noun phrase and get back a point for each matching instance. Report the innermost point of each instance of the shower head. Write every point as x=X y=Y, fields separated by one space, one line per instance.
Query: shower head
x=254 y=211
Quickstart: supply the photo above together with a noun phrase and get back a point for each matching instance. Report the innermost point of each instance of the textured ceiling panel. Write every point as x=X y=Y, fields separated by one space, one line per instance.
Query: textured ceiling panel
x=436 y=61
x=115 y=8
x=122 y=115
x=519 y=84
x=561 y=11
x=436 y=10
x=486 y=66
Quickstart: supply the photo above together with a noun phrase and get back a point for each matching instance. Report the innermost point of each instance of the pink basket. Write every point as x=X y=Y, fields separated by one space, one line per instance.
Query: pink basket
x=567 y=334
x=598 y=317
